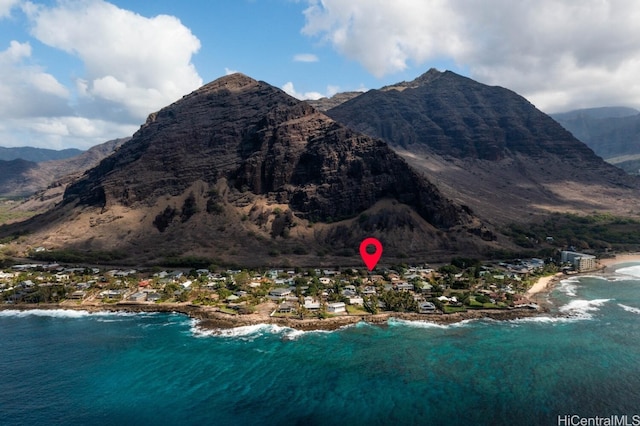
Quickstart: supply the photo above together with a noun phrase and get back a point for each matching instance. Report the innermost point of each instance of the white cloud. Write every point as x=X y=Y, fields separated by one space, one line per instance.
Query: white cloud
x=559 y=53
x=6 y=6
x=25 y=89
x=229 y=71
x=61 y=132
x=133 y=63
x=305 y=57
x=291 y=91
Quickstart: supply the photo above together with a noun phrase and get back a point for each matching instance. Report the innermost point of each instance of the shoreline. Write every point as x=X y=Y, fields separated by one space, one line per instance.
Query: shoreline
x=545 y=284
x=211 y=319
x=609 y=262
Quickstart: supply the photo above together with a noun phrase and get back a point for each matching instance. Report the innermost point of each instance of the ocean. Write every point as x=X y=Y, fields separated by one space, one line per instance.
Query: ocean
x=76 y=368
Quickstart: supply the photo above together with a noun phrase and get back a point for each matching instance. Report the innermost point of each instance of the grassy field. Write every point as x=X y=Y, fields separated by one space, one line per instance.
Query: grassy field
x=600 y=231
x=8 y=215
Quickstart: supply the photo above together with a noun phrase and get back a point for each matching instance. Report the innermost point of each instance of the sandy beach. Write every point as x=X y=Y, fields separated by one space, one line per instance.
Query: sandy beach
x=544 y=284
x=619 y=258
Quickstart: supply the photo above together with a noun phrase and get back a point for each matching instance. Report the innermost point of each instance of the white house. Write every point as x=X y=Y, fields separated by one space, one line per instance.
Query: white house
x=356 y=300
x=336 y=308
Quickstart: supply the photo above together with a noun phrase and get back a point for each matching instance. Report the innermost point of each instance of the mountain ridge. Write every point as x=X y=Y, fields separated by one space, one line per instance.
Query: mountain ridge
x=240 y=171
x=489 y=148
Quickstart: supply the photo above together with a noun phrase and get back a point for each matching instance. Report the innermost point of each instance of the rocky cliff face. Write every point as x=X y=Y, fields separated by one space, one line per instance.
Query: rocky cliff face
x=259 y=140
x=456 y=116
x=239 y=171
x=487 y=147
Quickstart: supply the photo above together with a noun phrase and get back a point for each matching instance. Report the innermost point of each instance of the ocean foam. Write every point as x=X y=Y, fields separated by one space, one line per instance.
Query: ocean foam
x=544 y=320
x=630 y=309
x=247 y=332
x=569 y=286
x=582 y=308
x=630 y=271
x=67 y=313
x=428 y=324
x=52 y=313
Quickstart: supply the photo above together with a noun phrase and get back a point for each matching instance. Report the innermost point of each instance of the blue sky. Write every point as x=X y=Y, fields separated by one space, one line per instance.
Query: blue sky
x=74 y=73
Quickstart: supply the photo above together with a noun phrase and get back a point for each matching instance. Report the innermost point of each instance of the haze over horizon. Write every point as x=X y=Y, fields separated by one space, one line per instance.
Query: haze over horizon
x=78 y=73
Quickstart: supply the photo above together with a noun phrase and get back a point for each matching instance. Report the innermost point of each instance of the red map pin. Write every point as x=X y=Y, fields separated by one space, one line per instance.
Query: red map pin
x=370 y=259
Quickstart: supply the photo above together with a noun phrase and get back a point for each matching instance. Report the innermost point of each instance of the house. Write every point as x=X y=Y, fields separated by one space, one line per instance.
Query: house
x=356 y=300
x=336 y=308
x=78 y=295
x=349 y=291
x=286 y=308
x=426 y=307
x=311 y=303
x=403 y=286
x=153 y=297
x=111 y=294
x=138 y=296
x=279 y=293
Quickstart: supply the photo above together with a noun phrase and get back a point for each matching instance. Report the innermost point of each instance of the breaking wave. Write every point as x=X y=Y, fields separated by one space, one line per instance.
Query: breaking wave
x=250 y=332
x=629 y=271
x=428 y=324
x=582 y=309
x=630 y=309
x=66 y=313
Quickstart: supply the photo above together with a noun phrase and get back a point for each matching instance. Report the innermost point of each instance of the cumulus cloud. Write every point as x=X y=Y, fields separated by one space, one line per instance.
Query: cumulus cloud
x=291 y=91
x=61 y=132
x=133 y=63
x=305 y=57
x=25 y=89
x=6 y=6
x=559 y=54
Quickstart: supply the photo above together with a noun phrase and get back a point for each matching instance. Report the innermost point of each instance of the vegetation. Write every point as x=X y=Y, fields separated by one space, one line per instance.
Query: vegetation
x=189 y=208
x=77 y=256
x=8 y=214
x=165 y=218
x=186 y=262
x=598 y=232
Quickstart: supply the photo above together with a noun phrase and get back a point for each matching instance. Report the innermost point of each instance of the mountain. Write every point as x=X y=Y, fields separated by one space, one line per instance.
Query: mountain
x=489 y=148
x=612 y=132
x=325 y=104
x=21 y=178
x=36 y=155
x=238 y=171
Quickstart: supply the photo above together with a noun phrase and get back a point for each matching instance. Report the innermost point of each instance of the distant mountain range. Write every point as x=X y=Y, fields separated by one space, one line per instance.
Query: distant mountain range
x=612 y=132
x=22 y=177
x=240 y=172
x=36 y=155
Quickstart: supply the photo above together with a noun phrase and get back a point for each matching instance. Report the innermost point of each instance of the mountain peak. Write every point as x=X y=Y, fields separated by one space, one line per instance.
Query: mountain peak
x=232 y=82
x=427 y=77
x=424 y=79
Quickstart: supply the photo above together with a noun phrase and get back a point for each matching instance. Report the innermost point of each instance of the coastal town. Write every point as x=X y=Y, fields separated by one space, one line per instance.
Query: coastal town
x=463 y=285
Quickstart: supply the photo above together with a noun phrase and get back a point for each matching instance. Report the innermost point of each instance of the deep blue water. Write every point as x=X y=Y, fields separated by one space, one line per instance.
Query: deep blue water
x=64 y=367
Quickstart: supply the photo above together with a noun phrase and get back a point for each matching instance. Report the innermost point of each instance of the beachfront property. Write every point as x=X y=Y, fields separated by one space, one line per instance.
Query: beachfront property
x=581 y=262
x=279 y=293
x=336 y=308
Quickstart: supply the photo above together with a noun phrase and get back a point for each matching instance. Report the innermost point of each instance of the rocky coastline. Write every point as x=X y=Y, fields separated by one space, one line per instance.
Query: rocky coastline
x=211 y=319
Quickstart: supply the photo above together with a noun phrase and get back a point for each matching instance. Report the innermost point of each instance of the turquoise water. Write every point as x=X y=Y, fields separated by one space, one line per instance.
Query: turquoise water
x=64 y=367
